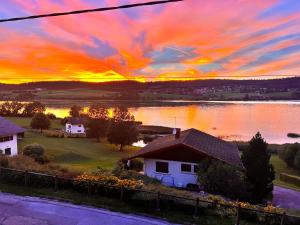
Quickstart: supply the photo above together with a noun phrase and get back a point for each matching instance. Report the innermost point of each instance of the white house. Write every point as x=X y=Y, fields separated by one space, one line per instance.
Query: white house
x=174 y=159
x=75 y=125
x=9 y=137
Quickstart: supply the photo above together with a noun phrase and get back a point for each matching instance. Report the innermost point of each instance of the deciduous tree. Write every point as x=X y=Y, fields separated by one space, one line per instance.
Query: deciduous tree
x=33 y=108
x=40 y=121
x=123 y=130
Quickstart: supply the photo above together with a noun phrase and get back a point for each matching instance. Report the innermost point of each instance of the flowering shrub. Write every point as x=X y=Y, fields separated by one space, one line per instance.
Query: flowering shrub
x=105 y=180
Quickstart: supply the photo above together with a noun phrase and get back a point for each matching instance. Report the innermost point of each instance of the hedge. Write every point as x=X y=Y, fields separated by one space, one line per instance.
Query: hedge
x=290 y=179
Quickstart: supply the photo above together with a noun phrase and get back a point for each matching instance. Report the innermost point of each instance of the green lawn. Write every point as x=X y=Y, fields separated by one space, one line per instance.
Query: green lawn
x=280 y=167
x=25 y=122
x=81 y=154
x=84 y=154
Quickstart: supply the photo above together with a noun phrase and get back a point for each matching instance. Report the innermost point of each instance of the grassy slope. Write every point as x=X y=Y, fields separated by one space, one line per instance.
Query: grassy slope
x=280 y=167
x=25 y=122
x=86 y=154
x=75 y=153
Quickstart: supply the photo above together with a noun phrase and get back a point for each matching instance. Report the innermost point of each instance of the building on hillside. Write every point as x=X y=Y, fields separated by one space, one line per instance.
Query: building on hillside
x=9 y=133
x=174 y=159
x=75 y=125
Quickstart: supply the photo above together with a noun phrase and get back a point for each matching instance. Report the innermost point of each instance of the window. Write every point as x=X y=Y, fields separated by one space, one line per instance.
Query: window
x=162 y=167
x=196 y=168
x=186 y=168
x=6 y=138
x=8 y=151
x=1 y=152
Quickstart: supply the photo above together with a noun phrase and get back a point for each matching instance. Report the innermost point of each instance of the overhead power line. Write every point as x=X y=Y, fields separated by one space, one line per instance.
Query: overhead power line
x=88 y=10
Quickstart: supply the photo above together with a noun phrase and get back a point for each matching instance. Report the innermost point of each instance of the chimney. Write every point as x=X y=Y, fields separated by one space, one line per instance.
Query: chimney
x=176 y=132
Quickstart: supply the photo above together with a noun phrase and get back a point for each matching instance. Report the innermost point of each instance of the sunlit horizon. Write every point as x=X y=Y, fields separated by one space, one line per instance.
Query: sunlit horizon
x=189 y=40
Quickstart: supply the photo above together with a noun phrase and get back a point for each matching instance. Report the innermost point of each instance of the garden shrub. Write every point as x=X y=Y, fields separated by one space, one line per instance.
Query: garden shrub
x=219 y=178
x=104 y=184
x=134 y=175
x=54 y=133
x=36 y=151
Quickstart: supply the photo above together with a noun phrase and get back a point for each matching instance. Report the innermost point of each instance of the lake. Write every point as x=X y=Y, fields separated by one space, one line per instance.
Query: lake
x=229 y=120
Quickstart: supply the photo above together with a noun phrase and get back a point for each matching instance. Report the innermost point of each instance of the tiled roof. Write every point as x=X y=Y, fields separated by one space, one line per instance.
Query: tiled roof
x=75 y=120
x=9 y=128
x=197 y=140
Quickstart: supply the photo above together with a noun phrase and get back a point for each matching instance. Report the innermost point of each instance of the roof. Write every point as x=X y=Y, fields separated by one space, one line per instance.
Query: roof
x=199 y=141
x=75 y=120
x=9 y=128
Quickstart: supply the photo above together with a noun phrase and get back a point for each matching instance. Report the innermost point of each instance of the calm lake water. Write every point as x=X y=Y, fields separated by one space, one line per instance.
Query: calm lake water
x=229 y=120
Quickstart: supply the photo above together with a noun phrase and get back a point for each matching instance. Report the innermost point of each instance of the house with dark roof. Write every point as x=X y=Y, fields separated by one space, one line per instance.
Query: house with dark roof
x=174 y=159
x=75 y=125
x=9 y=137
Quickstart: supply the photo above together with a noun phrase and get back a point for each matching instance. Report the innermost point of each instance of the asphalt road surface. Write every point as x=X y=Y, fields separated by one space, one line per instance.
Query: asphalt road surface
x=19 y=210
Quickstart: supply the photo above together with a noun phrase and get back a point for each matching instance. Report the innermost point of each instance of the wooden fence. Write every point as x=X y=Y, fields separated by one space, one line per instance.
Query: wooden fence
x=160 y=201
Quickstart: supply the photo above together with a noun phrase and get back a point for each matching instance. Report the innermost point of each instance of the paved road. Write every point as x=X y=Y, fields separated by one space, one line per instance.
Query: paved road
x=286 y=198
x=17 y=210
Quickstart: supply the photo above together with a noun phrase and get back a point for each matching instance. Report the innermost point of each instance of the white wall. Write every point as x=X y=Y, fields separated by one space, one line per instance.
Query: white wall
x=75 y=129
x=175 y=177
x=13 y=145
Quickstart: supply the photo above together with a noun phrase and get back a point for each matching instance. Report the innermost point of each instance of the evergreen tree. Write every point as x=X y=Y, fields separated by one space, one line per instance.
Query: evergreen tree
x=259 y=172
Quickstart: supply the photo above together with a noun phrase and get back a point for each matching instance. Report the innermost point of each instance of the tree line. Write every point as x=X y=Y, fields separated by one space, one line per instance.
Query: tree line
x=19 y=109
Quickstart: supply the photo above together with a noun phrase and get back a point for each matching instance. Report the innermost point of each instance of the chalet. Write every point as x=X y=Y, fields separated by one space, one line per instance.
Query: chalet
x=9 y=137
x=75 y=125
x=174 y=159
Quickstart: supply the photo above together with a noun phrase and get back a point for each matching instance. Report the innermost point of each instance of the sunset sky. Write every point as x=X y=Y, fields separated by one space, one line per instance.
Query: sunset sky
x=191 y=39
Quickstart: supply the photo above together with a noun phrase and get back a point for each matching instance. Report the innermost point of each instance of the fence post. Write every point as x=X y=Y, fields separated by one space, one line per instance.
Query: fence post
x=196 y=208
x=89 y=188
x=122 y=193
x=283 y=218
x=56 y=183
x=238 y=209
x=26 y=178
x=158 y=201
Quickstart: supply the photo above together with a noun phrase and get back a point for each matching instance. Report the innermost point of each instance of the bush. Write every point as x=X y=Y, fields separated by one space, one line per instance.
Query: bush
x=36 y=151
x=288 y=155
x=297 y=160
x=134 y=175
x=54 y=133
x=51 y=116
x=219 y=178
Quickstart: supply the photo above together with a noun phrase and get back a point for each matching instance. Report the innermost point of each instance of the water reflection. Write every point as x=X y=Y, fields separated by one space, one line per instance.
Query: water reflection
x=233 y=121
x=229 y=120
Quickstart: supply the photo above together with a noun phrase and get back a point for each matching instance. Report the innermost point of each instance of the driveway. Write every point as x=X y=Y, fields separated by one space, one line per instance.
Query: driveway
x=286 y=198
x=18 y=210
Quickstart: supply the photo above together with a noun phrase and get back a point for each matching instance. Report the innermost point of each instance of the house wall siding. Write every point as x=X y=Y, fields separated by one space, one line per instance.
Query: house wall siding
x=13 y=145
x=175 y=177
x=75 y=129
